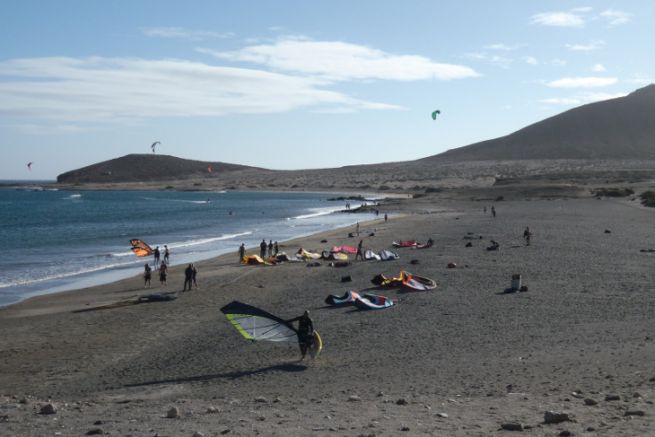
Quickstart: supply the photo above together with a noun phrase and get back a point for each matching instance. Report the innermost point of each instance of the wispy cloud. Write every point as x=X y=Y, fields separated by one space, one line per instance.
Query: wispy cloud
x=109 y=89
x=590 y=46
x=615 y=17
x=504 y=47
x=582 y=82
x=499 y=61
x=182 y=33
x=531 y=60
x=598 y=68
x=558 y=19
x=582 y=99
x=339 y=61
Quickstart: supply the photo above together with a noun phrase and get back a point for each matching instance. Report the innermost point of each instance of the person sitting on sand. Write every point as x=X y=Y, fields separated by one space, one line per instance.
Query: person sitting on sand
x=526 y=235
x=494 y=245
x=147 y=275
x=163 y=270
x=305 y=332
x=188 y=277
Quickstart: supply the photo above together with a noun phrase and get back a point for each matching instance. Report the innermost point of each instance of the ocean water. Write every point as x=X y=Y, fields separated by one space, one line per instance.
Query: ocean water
x=59 y=240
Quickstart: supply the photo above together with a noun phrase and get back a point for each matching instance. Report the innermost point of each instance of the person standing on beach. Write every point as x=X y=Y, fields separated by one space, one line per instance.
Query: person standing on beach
x=493 y=211
x=262 y=249
x=242 y=252
x=194 y=275
x=147 y=275
x=166 y=254
x=359 y=250
x=163 y=270
x=357 y=229
x=270 y=248
x=305 y=332
x=386 y=217
x=188 y=277
x=276 y=249
x=526 y=235
x=157 y=255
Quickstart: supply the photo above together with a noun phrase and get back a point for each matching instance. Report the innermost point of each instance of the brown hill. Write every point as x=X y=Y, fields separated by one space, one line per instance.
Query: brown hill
x=621 y=128
x=146 y=168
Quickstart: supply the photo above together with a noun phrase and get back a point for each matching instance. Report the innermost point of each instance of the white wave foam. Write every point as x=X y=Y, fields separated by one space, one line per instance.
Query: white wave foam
x=206 y=240
x=316 y=212
x=64 y=275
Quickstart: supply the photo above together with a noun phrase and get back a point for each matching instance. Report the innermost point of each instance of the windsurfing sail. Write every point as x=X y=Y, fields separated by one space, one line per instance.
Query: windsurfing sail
x=140 y=248
x=256 y=324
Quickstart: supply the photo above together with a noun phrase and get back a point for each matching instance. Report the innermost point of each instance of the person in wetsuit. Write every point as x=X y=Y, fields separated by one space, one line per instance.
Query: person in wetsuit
x=305 y=332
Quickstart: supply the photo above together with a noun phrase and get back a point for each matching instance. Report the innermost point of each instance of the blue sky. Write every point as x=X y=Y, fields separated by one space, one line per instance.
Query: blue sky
x=297 y=84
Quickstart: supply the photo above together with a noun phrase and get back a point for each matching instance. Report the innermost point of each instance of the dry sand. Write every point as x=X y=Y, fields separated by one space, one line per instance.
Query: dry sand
x=459 y=360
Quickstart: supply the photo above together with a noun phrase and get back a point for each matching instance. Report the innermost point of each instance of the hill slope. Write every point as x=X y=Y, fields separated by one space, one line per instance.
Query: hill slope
x=621 y=128
x=146 y=167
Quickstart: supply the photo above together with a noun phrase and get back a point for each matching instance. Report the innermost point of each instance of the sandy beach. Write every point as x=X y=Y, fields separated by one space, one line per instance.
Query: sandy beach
x=465 y=359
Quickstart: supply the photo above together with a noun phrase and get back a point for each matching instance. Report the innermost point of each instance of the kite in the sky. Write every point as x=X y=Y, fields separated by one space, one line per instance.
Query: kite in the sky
x=435 y=113
x=154 y=145
x=140 y=248
x=29 y=166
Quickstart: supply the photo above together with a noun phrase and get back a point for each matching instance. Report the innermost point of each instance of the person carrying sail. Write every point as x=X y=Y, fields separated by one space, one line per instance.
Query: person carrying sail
x=305 y=332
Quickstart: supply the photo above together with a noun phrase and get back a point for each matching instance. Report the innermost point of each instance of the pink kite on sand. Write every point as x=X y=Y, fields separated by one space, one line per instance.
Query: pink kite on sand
x=343 y=249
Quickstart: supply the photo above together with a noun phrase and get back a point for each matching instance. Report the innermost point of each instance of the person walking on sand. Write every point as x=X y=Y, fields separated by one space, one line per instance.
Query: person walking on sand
x=163 y=271
x=305 y=332
x=147 y=276
x=157 y=256
x=188 y=277
x=270 y=248
x=262 y=249
x=357 y=229
x=242 y=252
x=360 y=254
x=526 y=235
x=166 y=254
x=493 y=211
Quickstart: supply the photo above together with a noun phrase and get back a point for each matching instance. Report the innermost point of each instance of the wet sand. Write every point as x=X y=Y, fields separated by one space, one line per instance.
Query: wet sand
x=459 y=360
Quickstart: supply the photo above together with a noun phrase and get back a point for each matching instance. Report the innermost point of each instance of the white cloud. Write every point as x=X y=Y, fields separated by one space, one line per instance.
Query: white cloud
x=181 y=33
x=582 y=82
x=499 y=61
x=615 y=18
x=336 y=61
x=558 y=19
x=582 y=98
x=96 y=89
x=590 y=46
x=531 y=60
x=504 y=47
x=598 y=68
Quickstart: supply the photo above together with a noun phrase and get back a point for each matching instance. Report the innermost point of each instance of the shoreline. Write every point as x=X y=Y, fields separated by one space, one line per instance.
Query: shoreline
x=175 y=270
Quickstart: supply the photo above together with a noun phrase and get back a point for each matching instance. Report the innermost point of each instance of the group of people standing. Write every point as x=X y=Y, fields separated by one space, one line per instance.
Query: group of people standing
x=190 y=273
x=263 y=247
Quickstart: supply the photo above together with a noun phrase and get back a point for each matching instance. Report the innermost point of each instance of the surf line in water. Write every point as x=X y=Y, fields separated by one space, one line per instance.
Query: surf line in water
x=317 y=212
x=188 y=243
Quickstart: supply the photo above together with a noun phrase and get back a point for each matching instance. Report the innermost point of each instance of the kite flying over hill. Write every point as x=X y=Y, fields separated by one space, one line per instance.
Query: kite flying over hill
x=153 y=145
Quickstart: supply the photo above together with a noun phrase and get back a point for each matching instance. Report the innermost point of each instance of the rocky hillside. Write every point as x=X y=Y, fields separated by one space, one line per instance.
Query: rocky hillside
x=621 y=128
x=147 y=168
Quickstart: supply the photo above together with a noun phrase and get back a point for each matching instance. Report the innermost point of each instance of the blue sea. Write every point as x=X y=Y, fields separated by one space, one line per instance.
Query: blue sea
x=60 y=240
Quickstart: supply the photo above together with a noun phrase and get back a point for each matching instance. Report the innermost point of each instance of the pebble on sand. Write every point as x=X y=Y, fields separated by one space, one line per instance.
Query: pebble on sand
x=512 y=426
x=590 y=402
x=48 y=409
x=634 y=413
x=173 y=413
x=555 y=417
x=612 y=397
